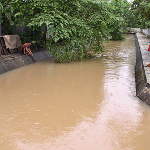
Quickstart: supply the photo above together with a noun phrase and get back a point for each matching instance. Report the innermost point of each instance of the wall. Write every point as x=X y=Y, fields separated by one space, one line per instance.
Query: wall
x=142 y=87
x=13 y=61
x=146 y=32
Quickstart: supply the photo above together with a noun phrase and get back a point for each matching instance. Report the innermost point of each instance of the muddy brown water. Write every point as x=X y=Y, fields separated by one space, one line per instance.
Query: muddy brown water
x=89 y=105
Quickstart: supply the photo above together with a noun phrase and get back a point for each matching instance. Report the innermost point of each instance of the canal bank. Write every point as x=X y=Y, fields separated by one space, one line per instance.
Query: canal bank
x=13 y=61
x=142 y=72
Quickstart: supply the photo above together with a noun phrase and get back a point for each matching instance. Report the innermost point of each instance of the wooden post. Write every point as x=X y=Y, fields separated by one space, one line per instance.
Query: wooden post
x=0 y=29
x=3 y=50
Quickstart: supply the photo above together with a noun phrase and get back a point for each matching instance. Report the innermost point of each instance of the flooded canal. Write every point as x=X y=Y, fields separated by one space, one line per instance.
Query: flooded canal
x=89 y=105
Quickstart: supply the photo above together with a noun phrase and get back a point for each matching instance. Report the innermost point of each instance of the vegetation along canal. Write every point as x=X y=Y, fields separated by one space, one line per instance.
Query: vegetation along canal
x=89 y=105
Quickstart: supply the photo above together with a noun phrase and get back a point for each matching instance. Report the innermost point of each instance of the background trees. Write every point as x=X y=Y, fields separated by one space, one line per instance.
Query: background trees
x=70 y=29
x=141 y=13
x=119 y=13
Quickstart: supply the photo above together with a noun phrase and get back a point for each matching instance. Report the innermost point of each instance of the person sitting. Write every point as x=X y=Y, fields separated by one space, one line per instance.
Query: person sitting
x=26 y=49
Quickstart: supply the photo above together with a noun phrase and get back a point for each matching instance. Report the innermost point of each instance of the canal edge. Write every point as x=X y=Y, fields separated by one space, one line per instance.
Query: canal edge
x=142 y=85
x=14 y=61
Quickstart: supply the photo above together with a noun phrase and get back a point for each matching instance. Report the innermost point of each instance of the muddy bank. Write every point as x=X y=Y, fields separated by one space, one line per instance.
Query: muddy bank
x=13 y=61
x=141 y=72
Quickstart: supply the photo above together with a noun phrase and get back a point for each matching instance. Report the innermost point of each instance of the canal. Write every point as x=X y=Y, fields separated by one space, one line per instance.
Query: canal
x=89 y=105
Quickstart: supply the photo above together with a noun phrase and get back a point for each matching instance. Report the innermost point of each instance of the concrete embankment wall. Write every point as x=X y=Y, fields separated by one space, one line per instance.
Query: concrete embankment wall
x=138 y=30
x=13 y=61
x=141 y=77
x=146 y=32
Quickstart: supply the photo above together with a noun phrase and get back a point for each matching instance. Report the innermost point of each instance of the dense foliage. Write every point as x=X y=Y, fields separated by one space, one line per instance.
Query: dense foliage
x=73 y=29
x=140 y=13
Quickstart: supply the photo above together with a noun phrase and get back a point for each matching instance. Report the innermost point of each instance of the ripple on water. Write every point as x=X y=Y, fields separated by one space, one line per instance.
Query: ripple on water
x=89 y=105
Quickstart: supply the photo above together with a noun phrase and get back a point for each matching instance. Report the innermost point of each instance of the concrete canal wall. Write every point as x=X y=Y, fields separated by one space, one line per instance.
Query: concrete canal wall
x=142 y=73
x=146 y=32
x=13 y=61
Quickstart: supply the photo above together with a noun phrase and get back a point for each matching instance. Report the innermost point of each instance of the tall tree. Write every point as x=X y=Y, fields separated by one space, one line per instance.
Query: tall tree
x=141 y=9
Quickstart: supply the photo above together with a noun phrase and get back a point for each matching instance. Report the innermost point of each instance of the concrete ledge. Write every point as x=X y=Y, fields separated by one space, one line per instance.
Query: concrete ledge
x=13 y=61
x=142 y=73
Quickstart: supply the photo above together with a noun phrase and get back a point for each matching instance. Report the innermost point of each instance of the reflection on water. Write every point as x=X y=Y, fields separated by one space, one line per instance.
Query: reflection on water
x=80 y=106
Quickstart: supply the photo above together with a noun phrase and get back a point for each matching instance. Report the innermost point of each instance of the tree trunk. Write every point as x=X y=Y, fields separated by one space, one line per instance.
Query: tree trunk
x=0 y=24
x=3 y=50
x=0 y=29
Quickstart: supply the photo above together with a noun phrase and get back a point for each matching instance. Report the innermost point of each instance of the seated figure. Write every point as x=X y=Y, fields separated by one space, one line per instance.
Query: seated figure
x=26 y=49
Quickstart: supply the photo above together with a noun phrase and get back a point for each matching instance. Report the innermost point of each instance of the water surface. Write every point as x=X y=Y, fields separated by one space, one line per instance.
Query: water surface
x=89 y=105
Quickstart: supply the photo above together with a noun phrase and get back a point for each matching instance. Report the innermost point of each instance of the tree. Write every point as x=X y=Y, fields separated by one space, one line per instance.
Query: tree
x=141 y=9
x=76 y=28
x=118 y=22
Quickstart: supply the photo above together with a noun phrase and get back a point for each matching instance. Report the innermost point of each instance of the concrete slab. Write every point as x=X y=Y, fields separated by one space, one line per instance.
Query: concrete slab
x=144 y=44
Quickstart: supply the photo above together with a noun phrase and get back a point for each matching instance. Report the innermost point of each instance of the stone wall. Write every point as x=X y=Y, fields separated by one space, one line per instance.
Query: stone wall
x=146 y=32
x=142 y=86
x=13 y=61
